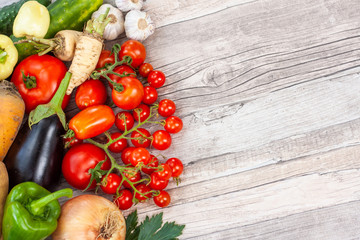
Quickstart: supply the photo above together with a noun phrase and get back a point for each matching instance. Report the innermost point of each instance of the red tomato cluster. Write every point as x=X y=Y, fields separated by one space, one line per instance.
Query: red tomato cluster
x=142 y=176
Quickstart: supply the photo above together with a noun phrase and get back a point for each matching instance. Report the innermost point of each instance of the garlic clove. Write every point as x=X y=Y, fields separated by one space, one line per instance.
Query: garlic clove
x=128 y=5
x=138 y=25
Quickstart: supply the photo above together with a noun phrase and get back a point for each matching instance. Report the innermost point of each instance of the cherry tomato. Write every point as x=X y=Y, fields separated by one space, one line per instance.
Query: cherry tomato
x=176 y=166
x=154 y=162
x=166 y=108
x=123 y=70
x=142 y=110
x=92 y=121
x=124 y=118
x=131 y=95
x=77 y=162
x=139 y=156
x=119 y=145
x=106 y=56
x=165 y=172
x=145 y=69
x=144 y=189
x=163 y=199
x=141 y=141
x=111 y=183
x=126 y=154
x=133 y=175
x=156 y=183
x=173 y=124
x=45 y=73
x=90 y=93
x=156 y=79
x=150 y=95
x=70 y=142
x=134 y=49
x=161 y=140
x=124 y=199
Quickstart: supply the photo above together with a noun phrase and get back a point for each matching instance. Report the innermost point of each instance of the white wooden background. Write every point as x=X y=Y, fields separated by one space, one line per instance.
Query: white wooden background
x=269 y=92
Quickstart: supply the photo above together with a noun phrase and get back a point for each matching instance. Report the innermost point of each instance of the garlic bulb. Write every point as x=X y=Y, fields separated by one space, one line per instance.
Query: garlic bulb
x=116 y=26
x=138 y=25
x=127 y=5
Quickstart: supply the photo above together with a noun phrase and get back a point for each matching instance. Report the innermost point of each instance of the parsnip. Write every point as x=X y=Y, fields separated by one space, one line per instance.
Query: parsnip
x=87 y=53
x=67 y=40
x=12 y=109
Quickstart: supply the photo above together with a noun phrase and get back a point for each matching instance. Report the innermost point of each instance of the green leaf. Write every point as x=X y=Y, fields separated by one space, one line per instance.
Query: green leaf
x=151 y=228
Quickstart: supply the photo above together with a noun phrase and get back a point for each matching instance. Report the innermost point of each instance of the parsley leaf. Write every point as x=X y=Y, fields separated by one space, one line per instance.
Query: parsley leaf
x=151 y=228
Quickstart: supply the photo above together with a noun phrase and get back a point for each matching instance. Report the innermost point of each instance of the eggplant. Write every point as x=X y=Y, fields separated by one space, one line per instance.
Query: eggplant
x=36 y=154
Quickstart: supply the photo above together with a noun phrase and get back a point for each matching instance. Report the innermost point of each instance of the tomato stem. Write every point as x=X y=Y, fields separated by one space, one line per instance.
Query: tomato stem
x=123 y=168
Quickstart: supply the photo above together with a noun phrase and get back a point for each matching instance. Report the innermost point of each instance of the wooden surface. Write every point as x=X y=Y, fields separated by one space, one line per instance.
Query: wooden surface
x=269 y=93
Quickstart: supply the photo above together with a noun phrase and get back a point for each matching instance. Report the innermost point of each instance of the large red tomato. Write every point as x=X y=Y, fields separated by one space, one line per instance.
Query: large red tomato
x=37 y=78
x=132 y=94
x=79 y=160
x=134 y=49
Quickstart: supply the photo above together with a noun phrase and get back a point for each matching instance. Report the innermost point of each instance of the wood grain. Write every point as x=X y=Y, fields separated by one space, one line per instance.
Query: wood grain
x=269 y=94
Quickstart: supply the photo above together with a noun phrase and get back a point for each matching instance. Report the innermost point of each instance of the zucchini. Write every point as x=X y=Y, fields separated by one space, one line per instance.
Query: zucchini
x=64 y=15
x=8 y=14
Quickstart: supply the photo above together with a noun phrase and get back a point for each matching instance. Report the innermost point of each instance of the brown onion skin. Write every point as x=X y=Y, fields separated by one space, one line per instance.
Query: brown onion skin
x=82 y=218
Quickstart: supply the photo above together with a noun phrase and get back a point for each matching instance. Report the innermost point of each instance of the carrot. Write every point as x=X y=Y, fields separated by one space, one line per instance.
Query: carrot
x=12 y=109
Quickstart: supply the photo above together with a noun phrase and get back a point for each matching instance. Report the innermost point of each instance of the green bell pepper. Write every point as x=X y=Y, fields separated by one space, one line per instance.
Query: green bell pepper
x=31 y=212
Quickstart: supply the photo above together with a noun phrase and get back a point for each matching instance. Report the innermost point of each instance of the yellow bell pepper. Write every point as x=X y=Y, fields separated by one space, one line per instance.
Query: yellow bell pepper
x=8 y=56
x=33 y=19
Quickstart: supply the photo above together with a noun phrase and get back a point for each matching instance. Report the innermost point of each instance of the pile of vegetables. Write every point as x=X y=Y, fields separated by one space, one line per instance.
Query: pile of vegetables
x=40 y=88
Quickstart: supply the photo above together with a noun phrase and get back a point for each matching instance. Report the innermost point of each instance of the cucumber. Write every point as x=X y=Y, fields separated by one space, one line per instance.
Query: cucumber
x=8 y=14
x=64 y=15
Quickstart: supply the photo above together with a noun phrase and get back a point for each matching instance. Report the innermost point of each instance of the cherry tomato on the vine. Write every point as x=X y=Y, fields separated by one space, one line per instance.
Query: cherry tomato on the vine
x=134 y=49
x=111 y=183
x=139 y=156
x=91 y=92
x=144 y=189
x=70 y=142
x=156 y=79
x=133 y=175
x=141 y=141
x=151 y=166
x=92 y=121
x=161 y=140
x=119 y=145
x=145 y=69
x=150 y=95
x=166 y=108
x=123 y=119
x=176 y=166
x=173 y=124
x=77 y=162
x=105 y=57
x=126 y=154
x=165 y=172
x=157 y=183
x=124 y=199
x=163 y=199
x=143 y=110
x=123 y=70
x=132 y=94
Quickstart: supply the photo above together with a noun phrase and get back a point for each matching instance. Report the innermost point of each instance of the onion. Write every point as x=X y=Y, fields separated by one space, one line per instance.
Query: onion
x=90 y=217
